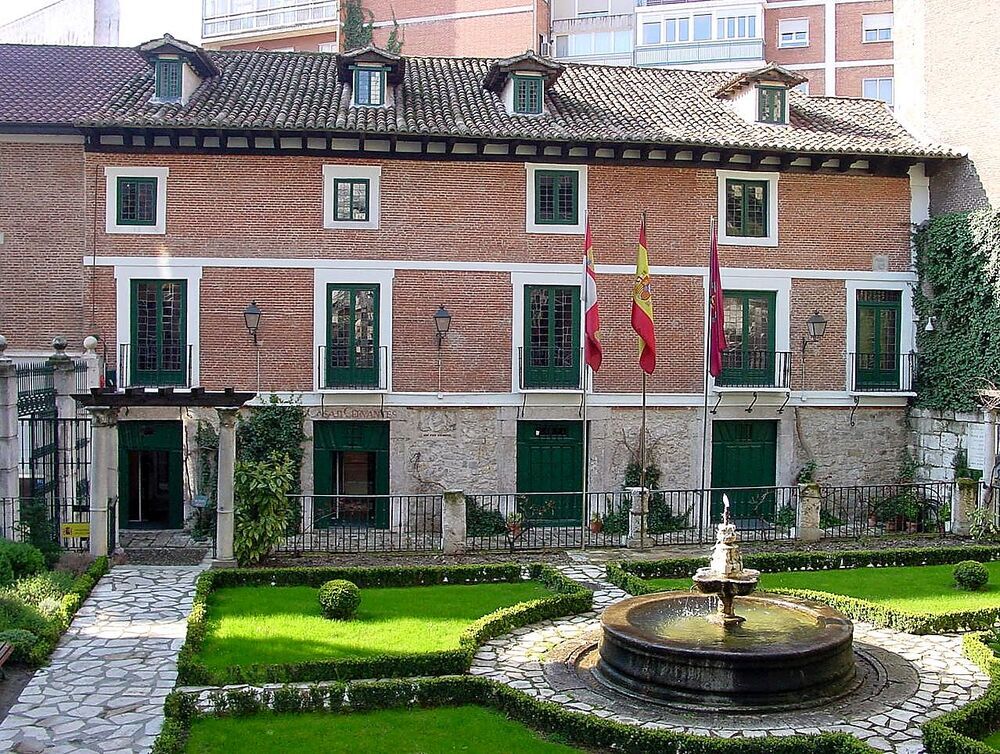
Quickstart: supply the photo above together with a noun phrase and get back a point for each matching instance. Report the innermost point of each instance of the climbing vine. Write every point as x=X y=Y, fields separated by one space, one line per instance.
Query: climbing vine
x=958 y=263
x=394 y=43
x=273 y=431
x=358 y=25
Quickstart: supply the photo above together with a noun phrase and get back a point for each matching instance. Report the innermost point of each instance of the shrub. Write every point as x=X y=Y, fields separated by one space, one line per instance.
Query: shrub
x=38 y=528
x=261 y=490
x=23 y=641
x=25 y=559
x=42 y=587
x=482 y=522
x=971 y=575
x=339 y=599
x=6 y=571
x=15 y=614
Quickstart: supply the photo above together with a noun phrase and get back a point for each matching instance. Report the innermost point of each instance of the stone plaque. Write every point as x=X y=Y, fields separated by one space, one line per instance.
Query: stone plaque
x=975 y=440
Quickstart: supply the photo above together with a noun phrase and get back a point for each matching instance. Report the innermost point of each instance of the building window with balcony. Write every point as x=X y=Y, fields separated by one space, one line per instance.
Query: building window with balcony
x=169 y=80
x=351 y=196
x=771 y=102
x=369 y=87
x=352 y=349
x=702 y=27
x=158 y=333
x=880 y=88
x=528 y=94
x=651 y=33
x=876 y=27
x=736 y=27
x=551 y=358
x=750 y=360
x=793 y=32
x=878 y=358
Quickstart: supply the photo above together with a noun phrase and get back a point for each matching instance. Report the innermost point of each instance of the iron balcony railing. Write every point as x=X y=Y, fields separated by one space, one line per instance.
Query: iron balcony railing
x=368 y=370
x=683 y=53
x=223 y=18
x=755 y=369
x=131 y=373
x=882 y=373
x=549 y=369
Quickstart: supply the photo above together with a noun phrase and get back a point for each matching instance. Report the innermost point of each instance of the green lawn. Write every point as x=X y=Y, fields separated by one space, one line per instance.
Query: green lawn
x=271 y=625
x=423 y=731
x=916 y=589
x=993 y=741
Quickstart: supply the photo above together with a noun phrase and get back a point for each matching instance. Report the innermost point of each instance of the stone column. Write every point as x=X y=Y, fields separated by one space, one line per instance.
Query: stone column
x=9 y=449
x=103 y=485
x=807 y=526
x=638 y=537
x=453 y=523
x=225 y=507
x=962 y=506
x=93 y=362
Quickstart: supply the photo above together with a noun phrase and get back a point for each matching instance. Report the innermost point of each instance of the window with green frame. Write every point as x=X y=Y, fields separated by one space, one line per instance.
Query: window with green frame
x=352 y=336
x=746 y=208
x=557 y=195
x=771 y=104
x=749 y=361
x=351 y=199
x=169 y=80
x=877 y=361
x=551 y=356
x=369 y=87
x=136 y=199
x=159 y=332
x=528 y=92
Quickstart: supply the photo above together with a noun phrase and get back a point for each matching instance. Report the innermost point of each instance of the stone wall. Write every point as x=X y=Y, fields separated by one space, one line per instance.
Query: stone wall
x=937 y=437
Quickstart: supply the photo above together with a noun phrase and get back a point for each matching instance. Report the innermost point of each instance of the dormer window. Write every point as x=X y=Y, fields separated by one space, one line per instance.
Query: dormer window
x=528 y=94
x=771 y=101
x=169 y=80
x=369 y=87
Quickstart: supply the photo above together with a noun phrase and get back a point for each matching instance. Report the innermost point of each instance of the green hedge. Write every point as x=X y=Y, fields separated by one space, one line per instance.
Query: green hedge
x=570 y=597
x=631 y=576
x=576 y=728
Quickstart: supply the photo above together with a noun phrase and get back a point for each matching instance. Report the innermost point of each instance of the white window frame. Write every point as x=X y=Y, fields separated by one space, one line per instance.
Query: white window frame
x=327 y=47
x=878 y=80
x=323 y=277
x=374 y=177
x=907 y=335
x=771 y=239
x=802 y=88
x=794 y=44
x=529 y=205
x=385 y=86
x=714 y=16
x=111 y=176
x=876 y=25
x=591 y=14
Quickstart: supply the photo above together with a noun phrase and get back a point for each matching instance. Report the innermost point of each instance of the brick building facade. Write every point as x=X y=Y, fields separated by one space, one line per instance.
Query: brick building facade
x=349 y=227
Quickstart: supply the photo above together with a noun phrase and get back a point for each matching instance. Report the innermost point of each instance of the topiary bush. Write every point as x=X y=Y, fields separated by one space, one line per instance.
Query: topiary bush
x=971 y=575
x=25 y=559
x=339 y=599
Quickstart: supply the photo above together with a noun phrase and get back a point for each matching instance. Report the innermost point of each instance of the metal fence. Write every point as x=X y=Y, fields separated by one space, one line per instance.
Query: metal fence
x=43 y=519
x=36 y=388
x=54 y=457
x=691 y=516
x=878 y=509
x=363 y=523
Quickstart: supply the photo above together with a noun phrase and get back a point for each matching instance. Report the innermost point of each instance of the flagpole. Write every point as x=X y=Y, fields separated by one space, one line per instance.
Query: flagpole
x=644 y=506
x=706 y=512
x=584 y=508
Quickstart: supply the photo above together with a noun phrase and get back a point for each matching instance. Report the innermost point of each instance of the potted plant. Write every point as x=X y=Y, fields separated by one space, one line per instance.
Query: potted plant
x=515 y=524
x=596 y=524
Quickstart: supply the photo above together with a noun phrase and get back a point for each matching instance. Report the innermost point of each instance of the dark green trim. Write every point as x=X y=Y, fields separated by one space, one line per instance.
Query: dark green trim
x=549 y=374
x=330 y=437
x=756 y=369
x=158 y=375
x=169 y=80
x=353 y=374
x=351 y=183
x=771 y=104
x=530 y=89
x=869 y=367
x=135 y=183
x=380 y=89
x=556 y=180
x=742 y=229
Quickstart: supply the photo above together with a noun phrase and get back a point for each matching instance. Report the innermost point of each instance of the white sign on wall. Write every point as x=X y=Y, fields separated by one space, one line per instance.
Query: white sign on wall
x=975 y=439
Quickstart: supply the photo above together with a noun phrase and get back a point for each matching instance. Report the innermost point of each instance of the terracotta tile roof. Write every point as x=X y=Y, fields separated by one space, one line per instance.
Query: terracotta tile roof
x=271 y=91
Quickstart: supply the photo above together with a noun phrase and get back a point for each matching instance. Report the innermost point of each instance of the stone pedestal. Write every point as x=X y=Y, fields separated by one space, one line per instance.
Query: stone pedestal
x=963 y=503
x=63 y=379
x=103 y=472
x=453 y=523
x=93 y=362
x=9 y=450
x=638 y=536
x=225 y=509
x=807 y=528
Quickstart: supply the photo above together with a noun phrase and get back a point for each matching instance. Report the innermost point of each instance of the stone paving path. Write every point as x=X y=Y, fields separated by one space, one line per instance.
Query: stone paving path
x=104 y=689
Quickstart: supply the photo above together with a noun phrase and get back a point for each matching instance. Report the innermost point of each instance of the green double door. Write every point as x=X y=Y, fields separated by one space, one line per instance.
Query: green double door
x=744 y=454
x=150 y=475
x=351 y=474
x=550 y=459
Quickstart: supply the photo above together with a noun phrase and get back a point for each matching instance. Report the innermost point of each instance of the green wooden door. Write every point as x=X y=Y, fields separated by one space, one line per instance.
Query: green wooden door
x=351 y=466
x=552 y=336
x=159 y=332
x=150 y=475
x=744 y=454
x=878 y=336
x=550 y=459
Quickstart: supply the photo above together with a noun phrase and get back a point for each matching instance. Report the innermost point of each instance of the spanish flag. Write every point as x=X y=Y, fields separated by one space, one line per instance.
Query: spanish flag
x=642 y=306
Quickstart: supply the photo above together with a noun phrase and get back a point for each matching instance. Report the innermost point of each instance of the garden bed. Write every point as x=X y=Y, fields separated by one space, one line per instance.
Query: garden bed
x=265 y=625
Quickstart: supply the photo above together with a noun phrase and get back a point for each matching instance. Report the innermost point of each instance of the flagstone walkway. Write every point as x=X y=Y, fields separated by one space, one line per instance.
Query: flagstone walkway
x=104 y=689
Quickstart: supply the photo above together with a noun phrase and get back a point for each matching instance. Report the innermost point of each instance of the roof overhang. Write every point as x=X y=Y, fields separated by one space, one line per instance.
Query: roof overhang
x=769 y=74
x=371 y=55
x=135 y=397
x=527 y=62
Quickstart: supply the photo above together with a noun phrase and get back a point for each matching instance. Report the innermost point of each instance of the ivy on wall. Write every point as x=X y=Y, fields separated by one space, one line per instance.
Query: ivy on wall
x=358 y=25
x=273 y=430
x=958 y=263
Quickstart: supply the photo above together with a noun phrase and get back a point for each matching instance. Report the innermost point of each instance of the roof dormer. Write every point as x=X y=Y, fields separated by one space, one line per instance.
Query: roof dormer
x=761 y=96
x=178 y=68
x=523 y=82
x=370 y=72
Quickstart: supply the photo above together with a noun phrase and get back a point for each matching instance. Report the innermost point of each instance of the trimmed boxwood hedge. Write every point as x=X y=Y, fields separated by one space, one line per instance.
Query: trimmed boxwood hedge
x=576 y=728
x=631 y=576
x=569 y=597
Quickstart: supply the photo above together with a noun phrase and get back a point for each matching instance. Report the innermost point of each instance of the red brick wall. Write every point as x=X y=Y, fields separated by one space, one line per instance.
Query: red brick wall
x=487 y=36
x=850 y=80
x=817 y=80
x=791 y=56
x=301 y=42
x=850 y=44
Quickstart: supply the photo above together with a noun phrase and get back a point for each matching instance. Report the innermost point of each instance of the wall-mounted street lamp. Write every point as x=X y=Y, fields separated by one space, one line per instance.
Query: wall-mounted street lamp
x=816 y=329
x=251 y=318
x=442 y=323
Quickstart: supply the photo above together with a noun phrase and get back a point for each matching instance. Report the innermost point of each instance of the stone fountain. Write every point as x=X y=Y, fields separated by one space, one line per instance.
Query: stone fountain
x=688 y=649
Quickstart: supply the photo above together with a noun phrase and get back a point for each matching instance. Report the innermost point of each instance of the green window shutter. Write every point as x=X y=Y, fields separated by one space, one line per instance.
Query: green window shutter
x=351 y=199
x=369 y=87
x=352 y=336
x=169 y=79
x=746 y=208
x=158 y=354
x=750 y=359
x=528 y=91
x=136 y=199
x=557 y=195
x=551 y=353
x=771 y=104
x=877 y=361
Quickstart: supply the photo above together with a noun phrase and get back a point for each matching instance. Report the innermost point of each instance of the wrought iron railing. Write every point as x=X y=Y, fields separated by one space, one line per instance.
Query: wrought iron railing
x=129 y=373
x=755 y=369
x=369 y=370
x=877 y=509
x=882 y=373
x=36 y=388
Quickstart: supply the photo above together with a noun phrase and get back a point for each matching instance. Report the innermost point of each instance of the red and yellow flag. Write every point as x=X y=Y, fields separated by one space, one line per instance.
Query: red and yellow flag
x=593 y=350
x=642 y=306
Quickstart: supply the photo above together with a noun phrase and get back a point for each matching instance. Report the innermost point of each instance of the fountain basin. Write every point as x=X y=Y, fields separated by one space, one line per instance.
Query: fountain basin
x=663 y=647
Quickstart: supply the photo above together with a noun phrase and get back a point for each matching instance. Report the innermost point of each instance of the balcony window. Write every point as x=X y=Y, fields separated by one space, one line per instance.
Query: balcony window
x=879 y=314
x=746 y=208
x=877 y=27
x=793 y=32
x=352 y=336
x=880 y=89
x=750 y=359
x=736 y=27
x=552 y=337
x=702 y=27
x=159 y=331
x=651 y=33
